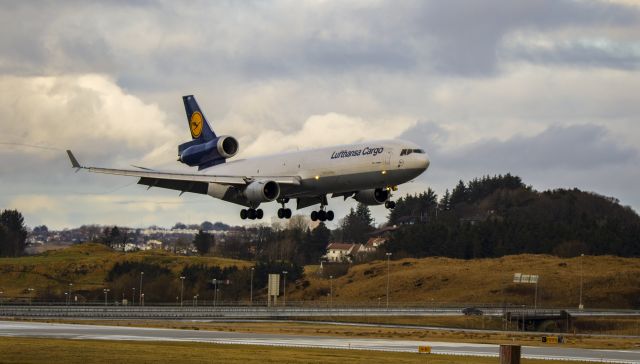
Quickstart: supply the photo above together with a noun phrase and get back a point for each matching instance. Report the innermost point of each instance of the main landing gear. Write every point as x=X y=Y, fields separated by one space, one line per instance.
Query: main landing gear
x=251 y=214
x=390 y=205
x=322 y=215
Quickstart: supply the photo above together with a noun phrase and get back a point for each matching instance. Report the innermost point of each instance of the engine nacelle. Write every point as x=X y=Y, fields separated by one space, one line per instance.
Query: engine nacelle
x=376 y=196
x=227 y=146
x=262 y=191
x=196 y=153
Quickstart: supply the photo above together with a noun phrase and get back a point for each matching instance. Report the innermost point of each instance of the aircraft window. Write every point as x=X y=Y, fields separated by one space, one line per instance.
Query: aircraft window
x=420 y=151
x=404 y=152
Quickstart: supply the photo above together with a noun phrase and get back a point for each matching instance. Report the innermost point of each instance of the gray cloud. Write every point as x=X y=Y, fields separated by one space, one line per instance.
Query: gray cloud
x=105 y=78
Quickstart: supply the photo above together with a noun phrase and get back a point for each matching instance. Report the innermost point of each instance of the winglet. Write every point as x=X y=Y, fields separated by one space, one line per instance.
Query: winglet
x=74 y=161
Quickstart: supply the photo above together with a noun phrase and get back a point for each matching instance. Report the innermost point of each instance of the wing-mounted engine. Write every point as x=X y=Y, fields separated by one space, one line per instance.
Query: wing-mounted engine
x=207 y=154
x=376 y=196
x=262 y=191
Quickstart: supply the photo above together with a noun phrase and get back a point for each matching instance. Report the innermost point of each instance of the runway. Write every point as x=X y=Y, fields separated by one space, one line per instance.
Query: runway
x=95 y=332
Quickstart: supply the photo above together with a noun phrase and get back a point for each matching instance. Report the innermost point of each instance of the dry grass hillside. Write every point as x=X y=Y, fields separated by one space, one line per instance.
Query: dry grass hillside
x=608 y=282
x=86 y=265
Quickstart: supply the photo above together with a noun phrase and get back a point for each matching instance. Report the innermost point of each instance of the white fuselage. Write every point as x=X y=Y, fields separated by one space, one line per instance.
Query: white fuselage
x=331 y=170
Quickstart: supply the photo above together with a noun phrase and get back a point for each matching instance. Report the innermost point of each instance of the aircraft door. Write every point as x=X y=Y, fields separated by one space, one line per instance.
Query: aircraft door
x=387 y=156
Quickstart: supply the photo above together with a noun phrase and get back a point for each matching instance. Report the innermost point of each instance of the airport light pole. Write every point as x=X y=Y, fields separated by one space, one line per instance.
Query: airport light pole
x=195 y=301
x=251 y=289
x=330 y=291
x=1 y=293
x=66 y=298
x=285 y=287
x=181 y=288
x=215 y=292
x=30 y=294
x=70 y=291
x=580 y=305
x=388 y=272
x=106 y=293
x=142 y=299
x=133 y=296
x=141 y=275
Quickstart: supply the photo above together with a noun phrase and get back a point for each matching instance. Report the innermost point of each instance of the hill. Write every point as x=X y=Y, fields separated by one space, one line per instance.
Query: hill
x=89 y=266
x=609 y=282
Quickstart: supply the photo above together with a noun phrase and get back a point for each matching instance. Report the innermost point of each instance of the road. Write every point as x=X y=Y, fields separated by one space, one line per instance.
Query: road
x=95 y=332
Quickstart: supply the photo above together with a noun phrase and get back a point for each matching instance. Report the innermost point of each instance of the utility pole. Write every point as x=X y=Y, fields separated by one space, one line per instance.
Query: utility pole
x=388 y=271
x=251 y=290
x=181 y=288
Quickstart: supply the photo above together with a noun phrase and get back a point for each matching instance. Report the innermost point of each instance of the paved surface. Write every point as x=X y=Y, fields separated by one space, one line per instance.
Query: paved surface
x=69 y=331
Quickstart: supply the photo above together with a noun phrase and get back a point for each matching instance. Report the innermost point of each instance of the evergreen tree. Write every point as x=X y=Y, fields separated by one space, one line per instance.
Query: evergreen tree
x=357 y=225
x=203 y=242
x=315 y=243
x=445 y=201
x=13 y=236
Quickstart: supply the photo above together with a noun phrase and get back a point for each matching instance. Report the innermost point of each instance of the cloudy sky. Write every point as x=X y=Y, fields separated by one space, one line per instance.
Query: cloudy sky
x=548 y=90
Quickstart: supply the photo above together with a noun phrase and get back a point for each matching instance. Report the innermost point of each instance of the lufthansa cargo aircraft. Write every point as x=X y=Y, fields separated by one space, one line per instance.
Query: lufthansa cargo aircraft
x=368 y=171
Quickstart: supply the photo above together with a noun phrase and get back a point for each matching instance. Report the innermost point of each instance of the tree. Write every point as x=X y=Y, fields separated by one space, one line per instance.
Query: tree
x=315 y=243
x=203 y=242
x=179 y=226
x=13 y=237
x=357 y=224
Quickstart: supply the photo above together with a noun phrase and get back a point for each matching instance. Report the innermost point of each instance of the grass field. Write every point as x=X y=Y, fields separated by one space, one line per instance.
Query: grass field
x=31 y=350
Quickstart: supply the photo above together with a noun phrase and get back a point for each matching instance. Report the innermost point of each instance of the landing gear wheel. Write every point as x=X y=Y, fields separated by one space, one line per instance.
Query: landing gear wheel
x=287 y=213
x=330 y=215
x=281 y=213
x=314 y=215
x=322 y=216
x=243 y=214
x=259 y=214
x=251 y=214
x=390 y=205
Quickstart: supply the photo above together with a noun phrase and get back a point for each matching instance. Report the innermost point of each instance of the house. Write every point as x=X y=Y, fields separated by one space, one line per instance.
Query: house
x=373 y=244
x=340 y=252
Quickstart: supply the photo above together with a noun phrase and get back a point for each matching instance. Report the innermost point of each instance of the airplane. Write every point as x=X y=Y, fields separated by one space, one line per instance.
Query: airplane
x=367 y=171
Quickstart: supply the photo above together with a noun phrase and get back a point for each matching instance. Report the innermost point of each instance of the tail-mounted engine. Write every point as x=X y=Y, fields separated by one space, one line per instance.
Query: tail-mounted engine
x=207 y=154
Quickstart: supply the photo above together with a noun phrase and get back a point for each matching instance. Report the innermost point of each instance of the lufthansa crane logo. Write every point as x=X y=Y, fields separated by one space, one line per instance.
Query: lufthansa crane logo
x=195 y=124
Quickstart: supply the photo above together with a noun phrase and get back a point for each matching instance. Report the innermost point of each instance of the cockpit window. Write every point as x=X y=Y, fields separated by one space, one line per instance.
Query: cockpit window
x=409 y=151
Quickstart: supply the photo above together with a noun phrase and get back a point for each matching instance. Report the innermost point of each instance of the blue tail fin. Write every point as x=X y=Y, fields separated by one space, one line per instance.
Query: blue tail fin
x=198 y=124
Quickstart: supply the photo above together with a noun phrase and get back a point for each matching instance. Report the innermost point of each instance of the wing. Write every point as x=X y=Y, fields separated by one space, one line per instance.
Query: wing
x=184 y=182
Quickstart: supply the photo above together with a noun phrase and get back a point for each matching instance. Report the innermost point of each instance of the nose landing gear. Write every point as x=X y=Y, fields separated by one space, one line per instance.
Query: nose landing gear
x=283 y=212
x=390 y=204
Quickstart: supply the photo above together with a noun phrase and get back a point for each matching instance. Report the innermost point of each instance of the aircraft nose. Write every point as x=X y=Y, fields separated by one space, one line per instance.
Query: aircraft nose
x=424 y=162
